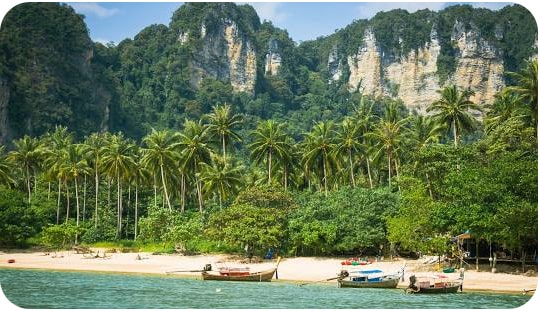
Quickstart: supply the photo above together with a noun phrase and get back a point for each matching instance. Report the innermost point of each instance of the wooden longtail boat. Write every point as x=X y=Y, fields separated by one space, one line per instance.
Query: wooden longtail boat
x=262 y=276
x=437 y=284
x=368 y=279
x=240 y=274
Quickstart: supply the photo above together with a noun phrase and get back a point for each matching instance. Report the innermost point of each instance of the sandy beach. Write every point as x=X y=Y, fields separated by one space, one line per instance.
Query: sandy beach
x=300 y=269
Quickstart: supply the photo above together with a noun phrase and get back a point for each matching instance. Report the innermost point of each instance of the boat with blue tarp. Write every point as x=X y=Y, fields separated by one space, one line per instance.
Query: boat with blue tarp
x=374 y=278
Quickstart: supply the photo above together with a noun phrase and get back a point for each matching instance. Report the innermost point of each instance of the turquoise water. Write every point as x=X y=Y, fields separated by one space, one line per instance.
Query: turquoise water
x=57 y=289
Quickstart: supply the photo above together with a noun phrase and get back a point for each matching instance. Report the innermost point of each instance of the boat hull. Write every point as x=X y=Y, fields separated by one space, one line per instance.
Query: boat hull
x=389 y=283
x=449 y=288
x=263 y=276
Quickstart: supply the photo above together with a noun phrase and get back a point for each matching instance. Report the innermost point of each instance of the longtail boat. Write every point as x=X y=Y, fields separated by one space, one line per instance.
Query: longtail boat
x=436 y=284
x=368 y=279
x=240 y=274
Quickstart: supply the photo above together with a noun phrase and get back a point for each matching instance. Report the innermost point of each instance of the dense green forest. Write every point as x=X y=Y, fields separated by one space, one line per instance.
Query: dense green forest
x=301 y=165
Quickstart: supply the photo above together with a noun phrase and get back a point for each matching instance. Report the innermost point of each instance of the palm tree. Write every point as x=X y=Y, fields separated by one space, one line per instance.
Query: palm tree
x=348 y=143
x=269 y=139
x=194 y=151
x=424 y=130
x=221 y=177
x=118 y=162
x=161 y=153
x=507 y=105
x=364 y=117
x=387 y=136
x=75 y=165
x=54 y=161
x=6 y=169
x=527 y=87
x=93 y=149
x=452 y=109
x=318 y=147
x=139 y=174
x=222 y=123
x=28 y=156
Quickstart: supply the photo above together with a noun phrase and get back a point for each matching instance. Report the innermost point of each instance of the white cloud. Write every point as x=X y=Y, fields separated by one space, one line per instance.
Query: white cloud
x=271 y=11
x=489 y=5
x=369 y=9
x=94 y=8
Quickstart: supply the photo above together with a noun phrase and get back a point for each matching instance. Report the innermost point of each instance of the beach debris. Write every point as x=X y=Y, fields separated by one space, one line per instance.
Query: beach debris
x=11 y=261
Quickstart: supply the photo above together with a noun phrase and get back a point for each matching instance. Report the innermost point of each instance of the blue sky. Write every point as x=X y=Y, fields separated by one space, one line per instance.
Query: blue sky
x=115 y=21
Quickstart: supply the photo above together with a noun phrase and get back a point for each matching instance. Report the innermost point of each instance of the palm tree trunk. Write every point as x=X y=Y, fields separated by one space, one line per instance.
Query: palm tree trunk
x=454 y=129
x=165 y=187
x=58 y=202
x=78 y=208
x=84 y=200
x=324 y=174
x=77 y=200
x=219 y=197
x=351 y=165
x=286 y=177
x=183 y=191
x=136 y=207
x=223 y=146
x=397 y=173
x=49 y=191
x=369 y=173
x=269 y=166
x=28 y=184
x=389 y=168
x=109 y=192
x=67 y=200
x=97 y=195
x=155 y=190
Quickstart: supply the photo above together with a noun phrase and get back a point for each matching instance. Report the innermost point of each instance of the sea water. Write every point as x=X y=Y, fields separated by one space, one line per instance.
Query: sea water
x=60 y=289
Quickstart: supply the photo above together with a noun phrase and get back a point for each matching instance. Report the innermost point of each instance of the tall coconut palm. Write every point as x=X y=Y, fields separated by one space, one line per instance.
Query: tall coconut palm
x=118 y=161
x=387 y=137
x=75 y=165
x=194 y=151
x=139 y=175
x=28 y=156
x=93 y=149
x=452 y=110
x=221 y=177
x=527 y=87
x=318 y=147
x=6 y=169
x=56 y=145
x=348 y=144
x=365 y=119
x=221 y=125
x=269 y=140
x=161 y=154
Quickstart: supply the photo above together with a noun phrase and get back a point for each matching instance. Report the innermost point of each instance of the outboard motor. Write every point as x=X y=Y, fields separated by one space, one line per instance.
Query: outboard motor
x=207 y=267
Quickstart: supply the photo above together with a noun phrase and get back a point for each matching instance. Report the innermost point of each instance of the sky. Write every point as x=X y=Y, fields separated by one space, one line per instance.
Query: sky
x=115 y=21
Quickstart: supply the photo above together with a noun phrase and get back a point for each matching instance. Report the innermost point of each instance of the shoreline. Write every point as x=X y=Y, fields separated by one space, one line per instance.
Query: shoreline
x=311 y=270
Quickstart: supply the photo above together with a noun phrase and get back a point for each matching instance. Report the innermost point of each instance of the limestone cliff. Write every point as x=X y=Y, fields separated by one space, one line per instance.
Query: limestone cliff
x=272 y=58
x=413 y=77
x=227 y=55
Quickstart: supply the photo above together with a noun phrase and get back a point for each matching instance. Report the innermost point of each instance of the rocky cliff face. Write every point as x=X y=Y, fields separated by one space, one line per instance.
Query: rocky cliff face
x=227 y=55
x=413 y=78
x=273 y=58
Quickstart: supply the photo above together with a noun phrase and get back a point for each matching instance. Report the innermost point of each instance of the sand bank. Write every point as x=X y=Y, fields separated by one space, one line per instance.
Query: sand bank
x=300 y=269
